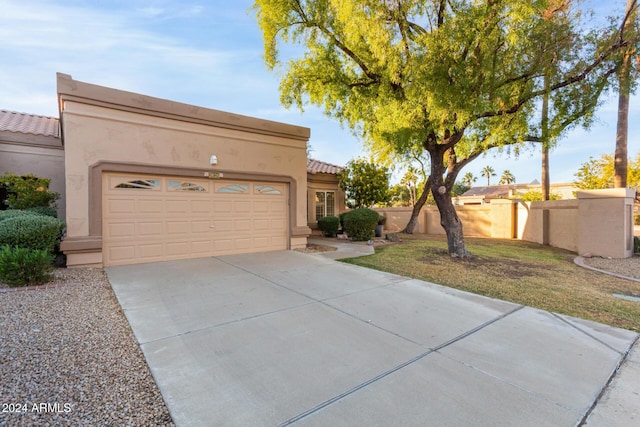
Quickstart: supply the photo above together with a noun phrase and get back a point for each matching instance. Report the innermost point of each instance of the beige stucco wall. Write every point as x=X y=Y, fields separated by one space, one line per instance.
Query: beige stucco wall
x=562 y=223
x=606 y=222
x=94 y=134
x=397 y=219
x=476 y=220
x=106 y=126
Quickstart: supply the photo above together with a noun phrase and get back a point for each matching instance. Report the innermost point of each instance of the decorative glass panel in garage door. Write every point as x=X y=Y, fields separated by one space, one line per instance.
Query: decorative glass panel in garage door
x=166 y=218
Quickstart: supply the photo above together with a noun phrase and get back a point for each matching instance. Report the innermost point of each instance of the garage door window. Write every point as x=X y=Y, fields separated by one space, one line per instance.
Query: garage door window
x=140 y=184
x=234 y=188
x=267 y=189
x=325 y=204
x=185 y=186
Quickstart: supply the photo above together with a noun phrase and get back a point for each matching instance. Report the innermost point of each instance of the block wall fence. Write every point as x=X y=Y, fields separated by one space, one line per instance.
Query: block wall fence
x=597 y=223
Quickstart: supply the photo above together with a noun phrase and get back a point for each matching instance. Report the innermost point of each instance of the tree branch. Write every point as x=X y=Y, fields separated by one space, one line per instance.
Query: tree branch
x=314 y=24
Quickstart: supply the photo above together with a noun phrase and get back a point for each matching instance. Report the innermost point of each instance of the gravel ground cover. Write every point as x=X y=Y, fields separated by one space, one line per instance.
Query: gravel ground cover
x=629 y=267
x=69 y=357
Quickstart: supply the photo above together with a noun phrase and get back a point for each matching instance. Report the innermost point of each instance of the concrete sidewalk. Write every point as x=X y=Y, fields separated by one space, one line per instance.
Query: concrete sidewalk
x=287 y=338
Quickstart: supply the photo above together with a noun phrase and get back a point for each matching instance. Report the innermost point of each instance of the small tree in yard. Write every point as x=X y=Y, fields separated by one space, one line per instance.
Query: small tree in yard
x=364 y=183
x=28 y=191
x=449 y=78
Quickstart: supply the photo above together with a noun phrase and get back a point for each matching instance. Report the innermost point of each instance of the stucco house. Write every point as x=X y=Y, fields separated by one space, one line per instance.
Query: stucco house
x=147 y=179
x=324 y=196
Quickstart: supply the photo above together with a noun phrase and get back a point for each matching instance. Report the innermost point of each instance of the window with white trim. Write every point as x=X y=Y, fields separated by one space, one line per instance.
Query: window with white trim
x=325 y=204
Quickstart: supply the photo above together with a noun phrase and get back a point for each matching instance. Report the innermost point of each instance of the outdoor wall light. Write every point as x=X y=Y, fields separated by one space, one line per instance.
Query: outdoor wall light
x=213 y=160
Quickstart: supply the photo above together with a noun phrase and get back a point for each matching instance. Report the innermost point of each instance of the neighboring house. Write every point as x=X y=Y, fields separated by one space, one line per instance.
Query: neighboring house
x=484 y=194
x=324 y=197
x=31 y=144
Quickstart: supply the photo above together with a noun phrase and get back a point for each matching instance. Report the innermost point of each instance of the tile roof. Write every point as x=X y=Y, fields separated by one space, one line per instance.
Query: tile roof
x=13 y=121
x=316 y=166
x=491 y=192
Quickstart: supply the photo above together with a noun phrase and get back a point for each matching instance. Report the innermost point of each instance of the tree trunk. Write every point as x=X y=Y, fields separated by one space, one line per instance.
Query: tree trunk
x=411 y=225
x=620 y=163
x=545 y=185
x=450 y=222
x=622 y=130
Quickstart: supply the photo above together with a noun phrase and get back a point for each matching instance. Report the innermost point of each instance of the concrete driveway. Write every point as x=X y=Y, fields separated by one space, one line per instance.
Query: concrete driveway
x=288 y=338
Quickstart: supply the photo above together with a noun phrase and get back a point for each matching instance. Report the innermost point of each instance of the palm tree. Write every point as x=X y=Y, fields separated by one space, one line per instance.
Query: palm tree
x=624 y=79
x=507 y=178
x=488 y=172
x=468 y=179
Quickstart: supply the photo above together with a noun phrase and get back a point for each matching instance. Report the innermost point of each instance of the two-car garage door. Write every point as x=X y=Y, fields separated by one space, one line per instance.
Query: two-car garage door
x=158 y=218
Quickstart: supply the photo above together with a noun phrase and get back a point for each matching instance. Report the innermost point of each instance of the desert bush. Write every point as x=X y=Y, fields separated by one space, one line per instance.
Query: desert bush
x=329 y=225
x=360 y=224
x=28 y=191
x=23 y=266
x=13 y=213
x=31 y=231
x=44 y=210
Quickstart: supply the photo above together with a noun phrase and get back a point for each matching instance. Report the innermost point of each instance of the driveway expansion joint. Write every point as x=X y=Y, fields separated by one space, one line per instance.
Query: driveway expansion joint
x=396 y=368
x=607 y=384
x=217 y=325
x=562 y=319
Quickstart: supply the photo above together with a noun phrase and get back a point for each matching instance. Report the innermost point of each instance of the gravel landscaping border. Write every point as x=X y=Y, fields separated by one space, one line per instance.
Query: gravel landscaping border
x=69 y=357
x=627 y=267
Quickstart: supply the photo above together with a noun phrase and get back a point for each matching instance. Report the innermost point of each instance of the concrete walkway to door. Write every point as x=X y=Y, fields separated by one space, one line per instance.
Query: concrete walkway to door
x=285 y=338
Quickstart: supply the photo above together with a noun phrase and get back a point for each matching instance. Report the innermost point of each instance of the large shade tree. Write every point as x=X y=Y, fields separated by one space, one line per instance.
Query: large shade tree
x=454 y=78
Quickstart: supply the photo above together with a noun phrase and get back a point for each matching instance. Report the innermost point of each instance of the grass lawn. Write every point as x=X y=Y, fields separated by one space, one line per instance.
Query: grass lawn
x=520 y=272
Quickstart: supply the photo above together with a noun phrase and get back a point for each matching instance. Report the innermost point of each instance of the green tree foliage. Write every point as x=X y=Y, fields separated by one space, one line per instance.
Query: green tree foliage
x=595 y=173
x=399 y=196
x=364 y=183
x=599 y=173
x=28 y=191
x=459 y=189
x=507 y=178
x=452 y=78
x=535 y=196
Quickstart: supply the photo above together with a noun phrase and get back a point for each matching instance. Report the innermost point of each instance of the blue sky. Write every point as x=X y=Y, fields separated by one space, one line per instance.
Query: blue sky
x=209 y=53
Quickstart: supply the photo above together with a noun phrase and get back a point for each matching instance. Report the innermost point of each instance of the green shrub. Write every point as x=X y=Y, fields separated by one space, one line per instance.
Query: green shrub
x=22 y=266
x=360 y=224
x=28 y=191
x=329 y=225
x=636 y=244
x=31 y=231
x=341 y=217
x=44 y=211
x=12 y=213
